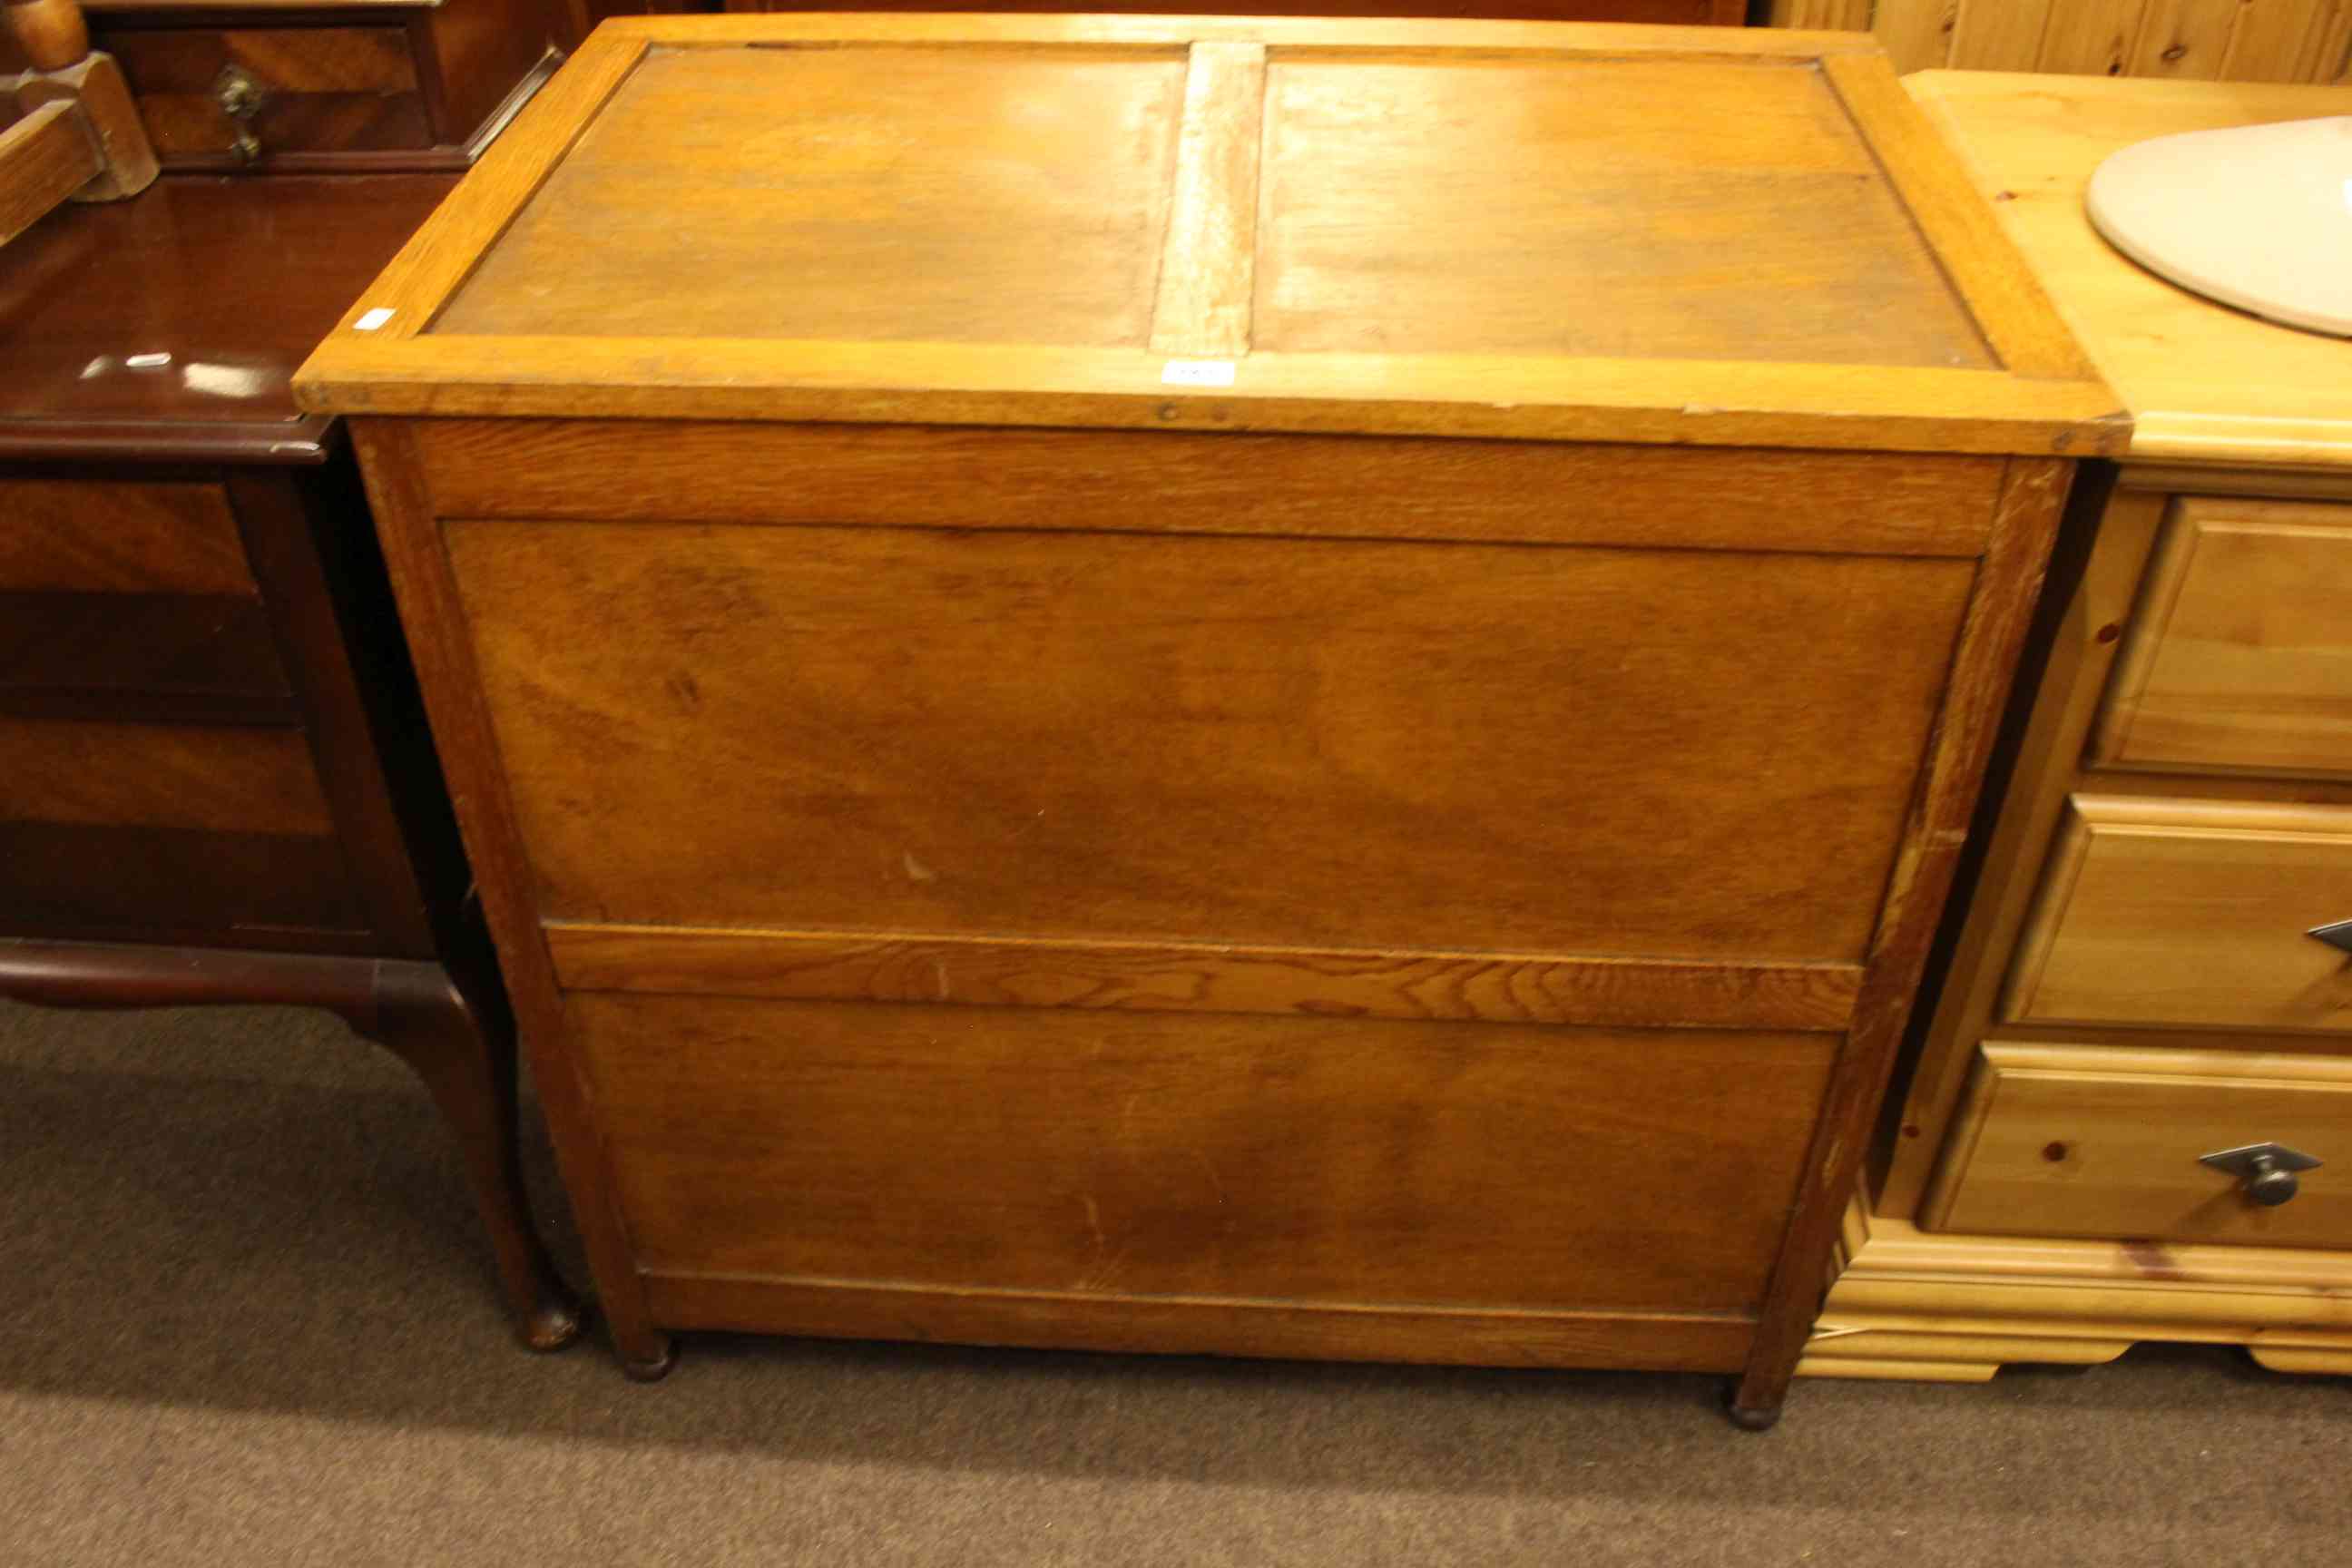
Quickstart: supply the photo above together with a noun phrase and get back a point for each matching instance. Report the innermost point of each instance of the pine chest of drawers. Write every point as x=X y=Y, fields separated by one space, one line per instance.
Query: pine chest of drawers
x=2143 y=1022
x=1285 y=687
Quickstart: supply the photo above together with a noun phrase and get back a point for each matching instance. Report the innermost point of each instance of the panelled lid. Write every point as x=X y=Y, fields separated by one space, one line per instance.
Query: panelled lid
x=1490 y=228
x=2205 y=383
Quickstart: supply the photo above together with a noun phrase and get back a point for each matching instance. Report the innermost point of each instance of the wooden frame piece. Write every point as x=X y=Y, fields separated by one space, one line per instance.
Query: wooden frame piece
x=1194 y=978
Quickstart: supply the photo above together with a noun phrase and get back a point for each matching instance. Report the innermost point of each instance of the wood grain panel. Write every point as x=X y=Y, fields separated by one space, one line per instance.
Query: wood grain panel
x=2092 y=37
x=1339 y=1160
x=166 y=656
x=86 y=536
x=1747 y=227
x=1202 y=1325
x=2275 y=40
x=150 y=775
x=2000 y=34
x=60 y=880
x=943 y=477
x=957 y=195
x=2092 y=1142
x=2241 y=657
x=1653 y=753
x=2192 y=914
x=2189 y=39
x=1193 y=977
x=1915 y=34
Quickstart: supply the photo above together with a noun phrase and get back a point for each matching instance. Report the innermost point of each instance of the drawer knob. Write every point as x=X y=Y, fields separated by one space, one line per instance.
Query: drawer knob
x=240 y=97
x=2266 y=1171
x=2337 y=936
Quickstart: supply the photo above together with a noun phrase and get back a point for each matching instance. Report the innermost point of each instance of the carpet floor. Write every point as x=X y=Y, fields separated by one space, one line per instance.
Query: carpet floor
x=248 y=1320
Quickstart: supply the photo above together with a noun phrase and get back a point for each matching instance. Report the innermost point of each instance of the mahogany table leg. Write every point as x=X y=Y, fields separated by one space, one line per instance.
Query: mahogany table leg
x=467 y=1059
x=455 y=1036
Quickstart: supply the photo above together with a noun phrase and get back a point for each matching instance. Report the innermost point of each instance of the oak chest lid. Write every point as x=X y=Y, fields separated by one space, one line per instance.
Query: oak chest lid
x=1439 y=227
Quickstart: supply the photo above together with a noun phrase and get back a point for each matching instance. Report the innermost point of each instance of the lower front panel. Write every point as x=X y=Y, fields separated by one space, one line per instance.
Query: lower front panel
x=1248 y=1182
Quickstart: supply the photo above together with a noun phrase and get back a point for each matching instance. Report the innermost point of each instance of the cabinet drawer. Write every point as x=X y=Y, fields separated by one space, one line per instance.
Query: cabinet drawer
x=1301 y=1159
x=75 y=536
x=2241 y=655
x=2096 y=1141
x=123 y=828
x=322 y=88
x=2192 y=914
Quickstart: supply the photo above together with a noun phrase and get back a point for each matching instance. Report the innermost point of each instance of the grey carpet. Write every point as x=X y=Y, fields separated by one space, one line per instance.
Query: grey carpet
x=248 y=1320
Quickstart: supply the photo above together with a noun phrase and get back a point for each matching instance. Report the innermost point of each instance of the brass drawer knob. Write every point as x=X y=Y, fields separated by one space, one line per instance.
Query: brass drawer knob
x=240 y=97
x=2266 y=1171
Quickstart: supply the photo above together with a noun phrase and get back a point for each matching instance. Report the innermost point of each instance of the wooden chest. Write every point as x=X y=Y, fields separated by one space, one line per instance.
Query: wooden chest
x=1285 y=687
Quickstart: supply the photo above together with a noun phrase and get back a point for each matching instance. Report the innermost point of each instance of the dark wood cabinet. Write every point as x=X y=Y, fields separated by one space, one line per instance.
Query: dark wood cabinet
x=217 y=783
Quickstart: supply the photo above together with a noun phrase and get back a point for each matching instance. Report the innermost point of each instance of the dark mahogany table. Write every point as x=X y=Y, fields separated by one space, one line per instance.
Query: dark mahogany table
x=217 y=785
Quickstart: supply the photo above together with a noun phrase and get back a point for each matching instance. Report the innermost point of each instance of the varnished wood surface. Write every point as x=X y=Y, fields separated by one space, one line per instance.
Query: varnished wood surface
x=171 y=657
x=1339 y=1160
x=45 y=158
x=147 y=776
x=2206 y=383
x=2232 y=40
x=1915 y=1304
x=2025 y=523
x=1668 y=12
x=2108 y=540
x=998 y=300
x=223 y=887
x=1429 y=206
x=136 y=537
x=234 y=280
x=2189 y=913
x=1197 y=977
x=451 y=690
x=2086 y=1140
x=912 y=194
x=1202 y=1325
x=943 y=477
x=1650 y=753
x=2241 y=657
x=1208 y=268
x=323 y=89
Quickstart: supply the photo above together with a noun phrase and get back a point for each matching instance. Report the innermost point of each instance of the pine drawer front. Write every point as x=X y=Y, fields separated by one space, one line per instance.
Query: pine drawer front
x=963 y=1161
x=2190 y=914
x=2099 y=1142
x=2241 y=657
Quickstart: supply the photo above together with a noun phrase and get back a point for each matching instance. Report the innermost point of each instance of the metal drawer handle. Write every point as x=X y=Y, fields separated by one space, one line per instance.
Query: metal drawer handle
x=2266 y=1170
x=2339 y=936
x=240 y=97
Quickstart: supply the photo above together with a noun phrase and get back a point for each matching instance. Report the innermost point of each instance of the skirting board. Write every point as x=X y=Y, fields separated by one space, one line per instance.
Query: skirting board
x=1956 y=1309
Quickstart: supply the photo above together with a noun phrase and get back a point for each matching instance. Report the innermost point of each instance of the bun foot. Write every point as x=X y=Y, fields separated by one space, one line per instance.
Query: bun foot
x=1749 y=1417
x=652 y=1368
x=551 y=1324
